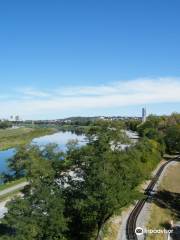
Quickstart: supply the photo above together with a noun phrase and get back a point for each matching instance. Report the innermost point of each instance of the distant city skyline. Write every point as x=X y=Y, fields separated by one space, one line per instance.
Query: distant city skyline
x=89 y=58
x=122 y=98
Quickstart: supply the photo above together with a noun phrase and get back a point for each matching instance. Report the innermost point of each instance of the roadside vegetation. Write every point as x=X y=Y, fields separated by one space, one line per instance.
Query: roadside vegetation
x=10 y=195
x=166 y=207
x=165 y=130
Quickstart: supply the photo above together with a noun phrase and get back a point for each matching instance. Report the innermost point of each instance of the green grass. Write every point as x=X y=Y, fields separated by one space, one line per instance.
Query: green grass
x=15 y=137
x=160 y=216
x=111 y=228
x=11 y=184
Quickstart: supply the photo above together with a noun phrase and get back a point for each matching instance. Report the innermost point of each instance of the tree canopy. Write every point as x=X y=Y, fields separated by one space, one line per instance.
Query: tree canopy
x=71 y=195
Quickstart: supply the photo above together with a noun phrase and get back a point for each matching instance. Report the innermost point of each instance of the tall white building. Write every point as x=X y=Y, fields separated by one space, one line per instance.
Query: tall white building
x=144 y=115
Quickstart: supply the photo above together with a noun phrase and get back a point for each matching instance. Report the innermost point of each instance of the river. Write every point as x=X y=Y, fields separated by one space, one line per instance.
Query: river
x=60 y=138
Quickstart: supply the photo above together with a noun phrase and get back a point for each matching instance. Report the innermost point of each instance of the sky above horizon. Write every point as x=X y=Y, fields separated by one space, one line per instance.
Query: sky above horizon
x=85 y=58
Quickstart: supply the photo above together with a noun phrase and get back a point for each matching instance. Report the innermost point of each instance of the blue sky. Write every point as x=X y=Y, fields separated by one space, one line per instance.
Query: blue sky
x=63 y=58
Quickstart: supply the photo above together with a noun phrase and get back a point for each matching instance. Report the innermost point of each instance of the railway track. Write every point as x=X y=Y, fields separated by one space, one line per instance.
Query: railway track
x=132 y=219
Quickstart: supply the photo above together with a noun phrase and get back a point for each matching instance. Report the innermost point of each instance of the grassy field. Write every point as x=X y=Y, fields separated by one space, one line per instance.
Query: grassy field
x=14 y=137
x=166 y=205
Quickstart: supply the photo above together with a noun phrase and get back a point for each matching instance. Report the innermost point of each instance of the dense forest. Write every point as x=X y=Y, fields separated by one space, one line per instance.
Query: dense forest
x=72 y=194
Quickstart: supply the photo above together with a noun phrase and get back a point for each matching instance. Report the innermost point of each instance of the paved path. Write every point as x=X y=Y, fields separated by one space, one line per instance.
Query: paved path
x=145 y=213
x=3 y=208
x=13 y=189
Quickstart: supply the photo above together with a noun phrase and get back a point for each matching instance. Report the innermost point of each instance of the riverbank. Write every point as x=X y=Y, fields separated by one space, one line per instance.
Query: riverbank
x=11 y=138
x=74 y=128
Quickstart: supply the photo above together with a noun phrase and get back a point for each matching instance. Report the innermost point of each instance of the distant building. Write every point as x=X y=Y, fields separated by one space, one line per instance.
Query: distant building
x=17 y=119
x=143 y=114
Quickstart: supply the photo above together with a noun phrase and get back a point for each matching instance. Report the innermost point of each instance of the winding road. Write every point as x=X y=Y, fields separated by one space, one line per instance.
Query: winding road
x=132 y=219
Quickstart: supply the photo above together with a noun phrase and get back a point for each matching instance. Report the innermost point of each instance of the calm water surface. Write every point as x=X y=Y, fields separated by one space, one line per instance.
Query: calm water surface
x=4 y=155
x=60 y=138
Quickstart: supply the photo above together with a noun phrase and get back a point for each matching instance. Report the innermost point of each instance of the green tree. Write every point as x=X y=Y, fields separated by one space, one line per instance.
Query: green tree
x=172 y=139
x=71 y=195
x=40 y=213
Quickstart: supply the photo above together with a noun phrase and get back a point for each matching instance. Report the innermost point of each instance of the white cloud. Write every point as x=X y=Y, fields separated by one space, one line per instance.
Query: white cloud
x=37 y=103
x=30 y=92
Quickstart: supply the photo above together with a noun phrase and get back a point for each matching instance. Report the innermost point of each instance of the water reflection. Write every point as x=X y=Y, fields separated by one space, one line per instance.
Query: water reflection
x=4 y=156
x=60 y=138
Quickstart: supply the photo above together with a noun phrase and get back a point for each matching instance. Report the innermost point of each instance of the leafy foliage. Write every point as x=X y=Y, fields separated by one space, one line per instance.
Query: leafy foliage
x=5 y=124
x=163 y=129
x=71 y=195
